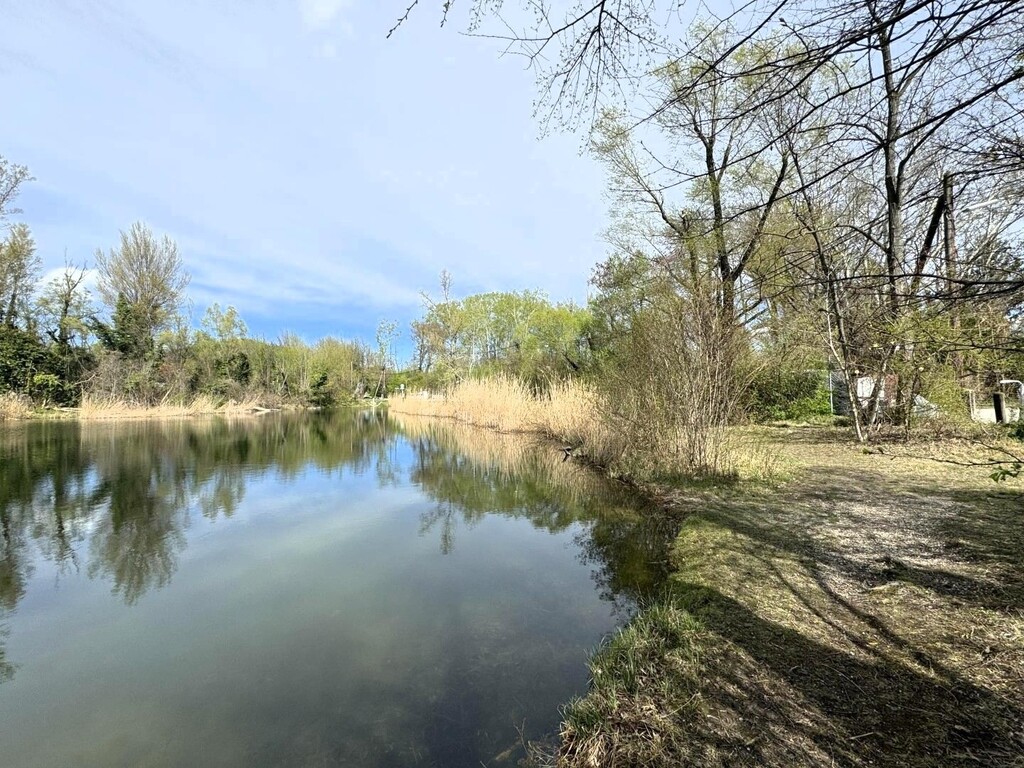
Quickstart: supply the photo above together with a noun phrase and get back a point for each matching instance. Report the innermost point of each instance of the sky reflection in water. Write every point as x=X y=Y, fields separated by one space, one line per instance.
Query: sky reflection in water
x=305 y=589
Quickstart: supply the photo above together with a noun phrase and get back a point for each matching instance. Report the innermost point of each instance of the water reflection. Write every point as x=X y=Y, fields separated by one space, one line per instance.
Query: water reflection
x=473 y=473
x=126 y=490
x=115 y=502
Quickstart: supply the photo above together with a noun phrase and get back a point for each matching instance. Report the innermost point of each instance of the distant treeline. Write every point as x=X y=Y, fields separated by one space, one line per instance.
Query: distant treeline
x=131 y=342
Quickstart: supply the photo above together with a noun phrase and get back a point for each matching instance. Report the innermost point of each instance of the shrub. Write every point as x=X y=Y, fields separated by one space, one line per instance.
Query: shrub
x=320 y=393
x=778 y=395
x=48 y=388
x=22 y=356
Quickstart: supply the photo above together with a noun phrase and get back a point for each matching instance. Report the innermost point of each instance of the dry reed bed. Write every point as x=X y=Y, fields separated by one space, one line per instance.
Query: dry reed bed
x=568 y=411
x=509 y=454
x=14 y=406
x=575 y=414
x=93 y=408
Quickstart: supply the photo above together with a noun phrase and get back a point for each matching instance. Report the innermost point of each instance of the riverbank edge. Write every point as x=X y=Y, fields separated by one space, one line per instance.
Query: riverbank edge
x=688 y=679
x=121 y=412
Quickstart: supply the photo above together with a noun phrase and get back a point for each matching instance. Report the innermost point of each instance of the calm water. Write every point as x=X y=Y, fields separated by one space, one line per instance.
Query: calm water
x=325 y=589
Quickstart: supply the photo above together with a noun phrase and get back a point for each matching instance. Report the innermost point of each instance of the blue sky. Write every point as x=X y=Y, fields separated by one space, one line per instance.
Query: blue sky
x=314 y=174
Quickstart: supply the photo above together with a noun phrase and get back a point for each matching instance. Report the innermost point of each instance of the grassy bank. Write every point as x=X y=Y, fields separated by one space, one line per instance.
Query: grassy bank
x=864 y=607
x=868 y=612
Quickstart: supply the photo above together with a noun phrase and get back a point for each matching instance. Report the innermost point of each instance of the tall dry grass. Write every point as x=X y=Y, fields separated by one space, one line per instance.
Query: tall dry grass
x=14 y=406
x=580 y=417
x=94 y=408
x=569 y=412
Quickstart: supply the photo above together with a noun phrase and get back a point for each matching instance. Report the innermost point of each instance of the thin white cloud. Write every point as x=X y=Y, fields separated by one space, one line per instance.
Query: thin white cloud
x=91 y=278
x=300 y=188
x=318 y=14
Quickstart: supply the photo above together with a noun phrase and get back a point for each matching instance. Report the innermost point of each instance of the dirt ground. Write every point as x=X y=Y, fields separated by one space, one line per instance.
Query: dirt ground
x=866 y=611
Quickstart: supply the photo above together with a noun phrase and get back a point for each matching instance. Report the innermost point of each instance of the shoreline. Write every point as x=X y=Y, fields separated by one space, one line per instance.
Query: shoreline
x=121 y=412
x=865 y=606
x=869 y=609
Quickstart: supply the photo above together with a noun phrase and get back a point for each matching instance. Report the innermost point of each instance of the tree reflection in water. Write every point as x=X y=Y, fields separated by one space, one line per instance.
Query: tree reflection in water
x=472 y=473
x=115 y=499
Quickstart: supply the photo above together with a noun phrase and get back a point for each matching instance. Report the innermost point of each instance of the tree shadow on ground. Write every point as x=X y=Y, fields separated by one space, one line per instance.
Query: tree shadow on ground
x=966 y=544
x=772 y=696
x=855 y=620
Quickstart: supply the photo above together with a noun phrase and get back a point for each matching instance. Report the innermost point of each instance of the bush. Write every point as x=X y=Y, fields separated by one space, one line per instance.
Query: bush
x=22 y=356
x=941 y=387
x=320 y=393
x=670 y=388
x=48 y=388
x=414 y=381
x=776 y=395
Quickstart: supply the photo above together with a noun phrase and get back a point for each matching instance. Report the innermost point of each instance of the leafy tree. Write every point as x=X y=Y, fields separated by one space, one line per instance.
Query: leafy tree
x=12 y=176
x=19 y=271
x=387 y=333
x=224 y=324
x=518 y=332
x=142 y=282
x=438 y=334
x=22 y=356
x=129 y=332
x=63 y=309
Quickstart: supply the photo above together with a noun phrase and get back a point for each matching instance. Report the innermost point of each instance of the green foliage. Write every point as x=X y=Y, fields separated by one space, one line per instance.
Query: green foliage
x=19 y=270
x=129 y=332
x=22 y=356
x=320 y=393
x=941 y=386
x=777 y=395
x=146 y=274
x=1015 y=466
x=520 y=333
x=224 y=324
x=235 y=366
x=47 y=388
x=414 y=381
x=1008 y=471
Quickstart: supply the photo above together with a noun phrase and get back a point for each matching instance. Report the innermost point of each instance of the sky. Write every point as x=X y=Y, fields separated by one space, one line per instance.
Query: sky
x=315 y=175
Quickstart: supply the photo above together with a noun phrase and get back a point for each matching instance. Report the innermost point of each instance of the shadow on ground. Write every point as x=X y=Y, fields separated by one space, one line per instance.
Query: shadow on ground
x=858 y=617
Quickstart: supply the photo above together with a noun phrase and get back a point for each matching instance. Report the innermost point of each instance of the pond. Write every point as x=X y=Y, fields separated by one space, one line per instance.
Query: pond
x=316 y=589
